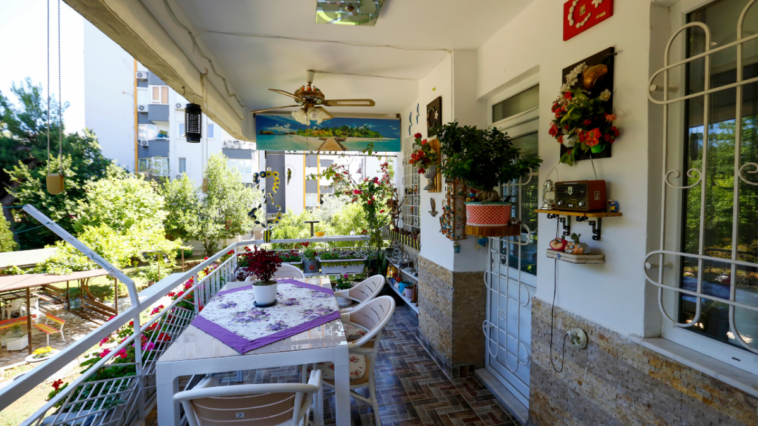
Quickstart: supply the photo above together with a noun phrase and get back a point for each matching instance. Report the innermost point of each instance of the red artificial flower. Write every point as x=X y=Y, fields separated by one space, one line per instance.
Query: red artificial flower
x=370 y=202
x=568 y=95
x=587 y=122
x=421 y=171
x=423 y=142
x=57 y=384
x=417 y=136
x=560 y=139
x=553 y=130
x=615 y=131
x=609 y=117
x=593 y=137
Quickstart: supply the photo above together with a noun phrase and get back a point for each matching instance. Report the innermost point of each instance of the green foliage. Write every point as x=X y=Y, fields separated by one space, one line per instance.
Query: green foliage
x=122 y=201
x=342 y=131
x=24 y=163
x=482 y=158
x=224 y=209
x=183 y=208
x=6 y=237
x=157 y=270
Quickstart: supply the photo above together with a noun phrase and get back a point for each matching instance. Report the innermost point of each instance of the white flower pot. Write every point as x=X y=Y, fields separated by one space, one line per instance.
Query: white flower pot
x=264 y=294
x=343 y=301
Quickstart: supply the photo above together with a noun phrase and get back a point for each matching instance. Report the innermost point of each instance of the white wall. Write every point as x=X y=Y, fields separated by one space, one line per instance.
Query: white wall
x=611 y=294
x=296 y=188
x=109 y=95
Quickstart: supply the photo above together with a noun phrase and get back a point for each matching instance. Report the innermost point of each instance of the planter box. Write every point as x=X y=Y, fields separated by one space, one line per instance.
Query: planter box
x=342 y=266
x=295 y=264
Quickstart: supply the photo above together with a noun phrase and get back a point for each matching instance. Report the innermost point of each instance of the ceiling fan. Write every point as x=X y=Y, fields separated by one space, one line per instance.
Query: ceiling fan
x=312 y=100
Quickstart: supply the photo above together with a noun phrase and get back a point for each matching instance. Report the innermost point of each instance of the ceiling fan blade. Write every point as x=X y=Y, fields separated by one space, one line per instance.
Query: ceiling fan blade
x=282 y=92
x=349 y=102
x=328 y=113
x=269 y=109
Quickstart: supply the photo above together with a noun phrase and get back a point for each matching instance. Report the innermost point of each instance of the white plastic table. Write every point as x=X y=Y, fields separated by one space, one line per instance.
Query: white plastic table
x=196 y=352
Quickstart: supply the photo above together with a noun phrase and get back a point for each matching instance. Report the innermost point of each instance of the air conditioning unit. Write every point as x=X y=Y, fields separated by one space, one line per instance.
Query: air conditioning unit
x=144 y=143
x=142 y=108
x=141 y=75
x=179 y=105
x=178 y=176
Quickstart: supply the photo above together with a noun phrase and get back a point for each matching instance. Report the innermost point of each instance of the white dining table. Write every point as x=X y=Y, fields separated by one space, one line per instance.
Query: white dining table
x=196 y=352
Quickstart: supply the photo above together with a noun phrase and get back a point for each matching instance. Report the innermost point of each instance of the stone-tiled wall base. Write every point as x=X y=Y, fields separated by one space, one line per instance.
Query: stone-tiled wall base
x=618 y=382
x=451 y=310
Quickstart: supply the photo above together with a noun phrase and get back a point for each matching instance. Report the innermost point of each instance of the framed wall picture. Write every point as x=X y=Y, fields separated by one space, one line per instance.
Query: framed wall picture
x=581 y=15
x=600 y=83
x=433 y=115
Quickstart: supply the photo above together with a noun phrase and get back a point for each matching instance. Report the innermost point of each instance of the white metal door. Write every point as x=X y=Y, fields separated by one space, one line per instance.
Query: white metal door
x=511 y=279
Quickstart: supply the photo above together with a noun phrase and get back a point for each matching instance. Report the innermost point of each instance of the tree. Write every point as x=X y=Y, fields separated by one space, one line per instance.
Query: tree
x=183 y=208
x=6 y=237
x=24 y=163
x=122 y=201
x=224 y=209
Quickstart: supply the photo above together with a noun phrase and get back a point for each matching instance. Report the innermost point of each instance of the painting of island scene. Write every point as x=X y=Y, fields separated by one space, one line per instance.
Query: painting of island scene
x=284 y=133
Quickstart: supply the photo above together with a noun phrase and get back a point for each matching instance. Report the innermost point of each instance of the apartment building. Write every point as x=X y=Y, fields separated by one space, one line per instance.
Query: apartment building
x=139 y=120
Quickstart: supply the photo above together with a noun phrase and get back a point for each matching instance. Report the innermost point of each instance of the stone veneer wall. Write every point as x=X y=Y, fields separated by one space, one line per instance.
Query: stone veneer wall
x=452 y=306
x=618 y=382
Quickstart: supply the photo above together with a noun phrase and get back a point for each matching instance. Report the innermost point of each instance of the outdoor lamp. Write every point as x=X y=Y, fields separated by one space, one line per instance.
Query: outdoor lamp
x=193 y=123
x=548 y=195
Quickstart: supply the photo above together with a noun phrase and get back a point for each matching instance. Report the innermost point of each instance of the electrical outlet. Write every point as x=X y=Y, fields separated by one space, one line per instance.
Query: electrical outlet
x=577 y=337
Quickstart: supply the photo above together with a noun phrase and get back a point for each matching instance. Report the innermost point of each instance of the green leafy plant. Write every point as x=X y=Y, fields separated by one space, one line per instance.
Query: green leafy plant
x=6 y=237
x=482 y=158
x=343 y=282
x=575 y=238
x=292 y=256
x=310 y=254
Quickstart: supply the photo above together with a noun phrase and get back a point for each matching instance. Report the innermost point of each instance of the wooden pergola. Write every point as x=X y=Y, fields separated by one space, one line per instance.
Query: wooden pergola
x=10 y=283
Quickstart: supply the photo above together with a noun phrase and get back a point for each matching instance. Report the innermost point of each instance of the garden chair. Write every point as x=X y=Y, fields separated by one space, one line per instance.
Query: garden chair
x=34 y=305
x=373 y=316
x=210 y=403
x=288 y=271
x=16 y=305
x=48 y=330
x=363 y=292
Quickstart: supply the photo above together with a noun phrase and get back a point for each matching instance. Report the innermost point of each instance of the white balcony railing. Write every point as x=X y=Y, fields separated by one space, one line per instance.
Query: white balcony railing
x=98 y=397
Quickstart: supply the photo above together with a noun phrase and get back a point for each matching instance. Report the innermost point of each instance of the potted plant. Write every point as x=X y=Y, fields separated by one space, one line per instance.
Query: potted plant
x=483 y=159
x=342 y=262
x=41 y=354
x=342 y=284
x=264 y=264
x=424 y=158
x=310 y=261
x=320 y=232
x=292 y=258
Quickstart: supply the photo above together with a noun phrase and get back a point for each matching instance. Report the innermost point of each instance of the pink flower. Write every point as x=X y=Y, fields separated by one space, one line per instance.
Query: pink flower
x=357 y=192
x=122 y=353
x=104 y=353
x=370 y=202
x=149 y=347
x=106 y=340
x=157 y=309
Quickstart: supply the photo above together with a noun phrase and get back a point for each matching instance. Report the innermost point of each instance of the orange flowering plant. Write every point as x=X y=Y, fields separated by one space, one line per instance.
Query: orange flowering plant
x=423 y=155
x=582 y=122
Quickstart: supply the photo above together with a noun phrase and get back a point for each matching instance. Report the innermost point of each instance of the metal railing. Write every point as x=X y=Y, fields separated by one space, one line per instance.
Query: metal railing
x=113 y=392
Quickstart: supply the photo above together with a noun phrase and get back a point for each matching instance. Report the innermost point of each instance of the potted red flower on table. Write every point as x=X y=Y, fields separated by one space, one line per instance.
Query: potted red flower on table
x=263 y=264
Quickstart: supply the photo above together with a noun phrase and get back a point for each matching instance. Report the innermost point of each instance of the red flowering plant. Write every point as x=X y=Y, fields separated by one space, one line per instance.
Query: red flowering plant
x=263 y=264
x=423 y=155
x=582 y=122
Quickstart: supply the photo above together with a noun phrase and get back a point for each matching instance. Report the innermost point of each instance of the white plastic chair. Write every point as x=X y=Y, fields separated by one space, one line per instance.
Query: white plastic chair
x=288 y=271
x=373 y=316
x=34 y=304
x=16 y=305
x=210 y=403
x=363 y=292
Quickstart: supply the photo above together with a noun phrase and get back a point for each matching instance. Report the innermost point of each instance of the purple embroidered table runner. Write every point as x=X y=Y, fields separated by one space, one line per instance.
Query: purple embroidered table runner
x=232 y=318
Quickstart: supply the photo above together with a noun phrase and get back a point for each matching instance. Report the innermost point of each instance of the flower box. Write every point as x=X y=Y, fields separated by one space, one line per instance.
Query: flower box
x=342 y=266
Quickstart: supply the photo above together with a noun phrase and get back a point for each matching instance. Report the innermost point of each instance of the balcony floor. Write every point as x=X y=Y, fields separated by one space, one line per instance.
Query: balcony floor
x=412 y=389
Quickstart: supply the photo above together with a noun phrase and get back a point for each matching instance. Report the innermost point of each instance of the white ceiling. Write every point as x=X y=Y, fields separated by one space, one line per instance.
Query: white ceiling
x=254 y=64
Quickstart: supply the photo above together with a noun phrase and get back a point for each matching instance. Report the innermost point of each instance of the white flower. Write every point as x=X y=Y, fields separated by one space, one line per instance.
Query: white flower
x=569 y=142
x=605 y=95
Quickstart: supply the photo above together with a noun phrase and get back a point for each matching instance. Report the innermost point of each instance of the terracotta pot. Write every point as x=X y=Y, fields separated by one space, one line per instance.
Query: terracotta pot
x=264 y=294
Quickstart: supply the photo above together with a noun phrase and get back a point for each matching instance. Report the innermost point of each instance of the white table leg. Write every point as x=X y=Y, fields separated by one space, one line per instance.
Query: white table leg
x=342 y=385
x=167 y=386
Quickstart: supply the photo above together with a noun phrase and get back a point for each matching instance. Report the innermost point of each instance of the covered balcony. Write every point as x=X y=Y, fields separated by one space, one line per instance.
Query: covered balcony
x=560 y=231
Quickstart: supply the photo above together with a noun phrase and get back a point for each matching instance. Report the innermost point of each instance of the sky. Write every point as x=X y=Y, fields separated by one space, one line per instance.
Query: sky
x=23 y=29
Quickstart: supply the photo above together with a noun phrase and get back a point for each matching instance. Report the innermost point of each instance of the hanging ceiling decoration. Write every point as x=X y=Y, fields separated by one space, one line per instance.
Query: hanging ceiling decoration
x=348 y=12
x=312 y=100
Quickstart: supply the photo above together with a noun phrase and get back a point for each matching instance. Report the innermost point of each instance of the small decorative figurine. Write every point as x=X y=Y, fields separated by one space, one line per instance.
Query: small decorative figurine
x=558 y=244
x=576 y=247
x=613 y=206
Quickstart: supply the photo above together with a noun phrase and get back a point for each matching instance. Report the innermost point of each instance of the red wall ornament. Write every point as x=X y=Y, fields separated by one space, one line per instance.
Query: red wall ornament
x=581 y=15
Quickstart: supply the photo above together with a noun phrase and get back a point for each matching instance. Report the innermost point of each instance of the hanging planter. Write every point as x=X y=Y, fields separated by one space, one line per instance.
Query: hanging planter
x=483 y=159
x=55 y=183
x=425 y=158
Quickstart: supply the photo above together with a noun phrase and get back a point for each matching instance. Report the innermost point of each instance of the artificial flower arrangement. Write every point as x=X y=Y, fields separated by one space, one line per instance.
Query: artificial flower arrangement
x=423 y=156
x=582 y=122
x=43 y=352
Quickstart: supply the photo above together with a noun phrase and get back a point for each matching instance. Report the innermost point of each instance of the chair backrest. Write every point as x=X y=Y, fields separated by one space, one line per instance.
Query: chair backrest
x=288 y=271
x=261 y=404
x=17 y=304
x=373 y=316
x=11 y=322
x=53 y=318
x=367 y=289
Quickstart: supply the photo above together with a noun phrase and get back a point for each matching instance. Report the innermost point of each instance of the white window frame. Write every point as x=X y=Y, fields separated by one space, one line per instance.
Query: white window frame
x=739 y=358
x=180 y=130
x=158 y=101
x=207 y=130
x=179 y=164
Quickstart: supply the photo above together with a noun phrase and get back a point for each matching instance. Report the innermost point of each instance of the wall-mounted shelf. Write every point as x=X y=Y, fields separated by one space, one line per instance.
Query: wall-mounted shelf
x=408 y=302
x=580 y=259
x=595 y=219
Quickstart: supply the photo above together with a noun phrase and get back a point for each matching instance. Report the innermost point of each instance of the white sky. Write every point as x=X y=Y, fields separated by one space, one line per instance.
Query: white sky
x=23 y=29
